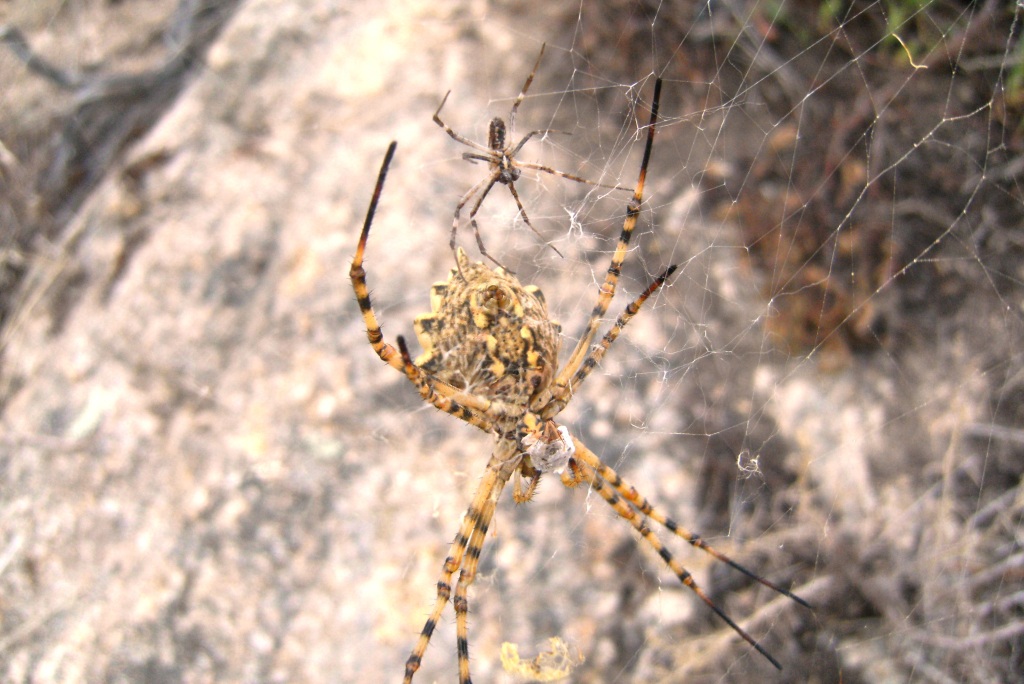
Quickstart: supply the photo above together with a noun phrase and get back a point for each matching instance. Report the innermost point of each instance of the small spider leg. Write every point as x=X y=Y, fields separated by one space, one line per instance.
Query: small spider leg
x=562 y=174
x=455 y=136
x=645 y=507
x=487 y=492
x=563 y=393
x=494 y=179
x=526 y=219
x=627 y=512
x=473 y=157
x=544 y=131
x=607 y=290
x=483 y=250
x=418 y=378
x=522 y=93
x=489 y=182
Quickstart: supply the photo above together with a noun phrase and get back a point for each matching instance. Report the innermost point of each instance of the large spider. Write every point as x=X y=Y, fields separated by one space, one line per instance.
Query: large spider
x=490 y=359
x=503 y=165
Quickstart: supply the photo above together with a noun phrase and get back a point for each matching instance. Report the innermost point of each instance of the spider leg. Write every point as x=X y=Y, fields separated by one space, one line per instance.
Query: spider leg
x=629 y=513
x=472 y=216
x=446 y=404
x=455 y=136
x=522 y=93
x=483 y=250
x=470 y=408
x=555 y=172
x=468 y=575
x=473 y=156
x=466 y=546
x=544 y=131
x=550 y=403
x=607 y=290
x=645 y=507
x=526 y=219
x=489 y=182
x=357 y=273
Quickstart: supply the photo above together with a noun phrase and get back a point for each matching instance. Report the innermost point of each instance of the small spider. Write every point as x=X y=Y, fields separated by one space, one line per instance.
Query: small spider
x=490 y=359
x=504 y=167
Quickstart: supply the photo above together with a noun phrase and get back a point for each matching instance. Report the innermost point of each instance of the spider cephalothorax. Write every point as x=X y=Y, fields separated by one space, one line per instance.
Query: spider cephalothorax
x=489 y=335
x=490 y=360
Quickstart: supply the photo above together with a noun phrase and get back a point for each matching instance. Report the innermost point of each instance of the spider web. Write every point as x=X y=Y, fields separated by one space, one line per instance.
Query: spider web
x=208 y=475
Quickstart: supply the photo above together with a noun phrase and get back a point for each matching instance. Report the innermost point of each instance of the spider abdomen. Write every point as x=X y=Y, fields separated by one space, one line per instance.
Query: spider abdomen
x=496 y=134
x=488 y=334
